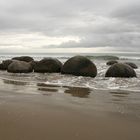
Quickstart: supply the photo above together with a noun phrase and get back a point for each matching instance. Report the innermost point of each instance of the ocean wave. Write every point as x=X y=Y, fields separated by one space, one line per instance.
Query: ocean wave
x=98 y=83
x=90 y=56
x=129 y=58
x=105 y=57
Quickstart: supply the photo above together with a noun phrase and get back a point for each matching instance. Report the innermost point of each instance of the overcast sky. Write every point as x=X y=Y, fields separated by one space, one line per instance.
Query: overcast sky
x=69 y=26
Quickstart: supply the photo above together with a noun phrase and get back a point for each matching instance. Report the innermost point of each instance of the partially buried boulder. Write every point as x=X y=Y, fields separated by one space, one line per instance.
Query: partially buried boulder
x=50 y=65
x=23 y=58
x=133 y=65
x=20 y=67
x=120 y=70
x=79 y=66
x=111 y=62
x=4 y=65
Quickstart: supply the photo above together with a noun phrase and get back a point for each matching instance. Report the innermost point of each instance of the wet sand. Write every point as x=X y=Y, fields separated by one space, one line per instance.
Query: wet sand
x=48 y=116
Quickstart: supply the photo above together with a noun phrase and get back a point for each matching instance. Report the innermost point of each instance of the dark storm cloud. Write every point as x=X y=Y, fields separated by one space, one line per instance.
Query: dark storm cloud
x=97 y=23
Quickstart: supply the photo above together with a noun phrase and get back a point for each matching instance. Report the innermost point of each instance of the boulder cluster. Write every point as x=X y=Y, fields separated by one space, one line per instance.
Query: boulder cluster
x=77 y=65
x=123 y=70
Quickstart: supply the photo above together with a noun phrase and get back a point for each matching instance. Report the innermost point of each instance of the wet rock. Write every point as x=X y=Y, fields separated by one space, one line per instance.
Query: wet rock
x=120 y=70
x=33 y=63
x=111 y=62
x=133 y=65
x=49 y=65
x=23 y=58
x=20 y=67
x=4 y=65
x=79 y=66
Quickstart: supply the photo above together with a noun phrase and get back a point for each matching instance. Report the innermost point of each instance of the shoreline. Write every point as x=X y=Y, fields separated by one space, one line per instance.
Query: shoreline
x=34 y=116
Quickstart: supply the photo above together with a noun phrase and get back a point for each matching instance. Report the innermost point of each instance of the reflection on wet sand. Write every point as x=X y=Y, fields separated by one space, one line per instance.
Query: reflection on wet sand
x=47 y=88
x=78 y=92
x=15 y=82
x=119 y=95
x=46 y=85
x=74 y=91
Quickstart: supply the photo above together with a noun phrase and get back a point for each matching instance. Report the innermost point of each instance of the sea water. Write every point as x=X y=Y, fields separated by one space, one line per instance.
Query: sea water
x=99 y=82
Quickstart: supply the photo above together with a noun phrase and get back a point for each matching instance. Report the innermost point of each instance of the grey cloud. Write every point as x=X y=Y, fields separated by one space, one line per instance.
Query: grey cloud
x=8 y=44
x=129 y=13
x=97 y=23
x=118 y=41
x=46 y=16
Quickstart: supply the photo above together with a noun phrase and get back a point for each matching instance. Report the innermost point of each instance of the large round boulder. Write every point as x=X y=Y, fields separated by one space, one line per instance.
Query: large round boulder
x=133 y=65
x=23 y=58
x=120 y=70
x=20 y=67
x=111 y=62
x=79 y=66
x=50 y=65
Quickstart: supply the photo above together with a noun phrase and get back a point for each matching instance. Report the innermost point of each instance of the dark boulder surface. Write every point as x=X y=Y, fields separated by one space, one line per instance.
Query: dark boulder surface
x=4 y=65
x=111 y=62
x=33 y=63
x=133 y=65
x=23 y=58
x=120 y=70
x=20 y=67
x=79 y=66
x=50 y=65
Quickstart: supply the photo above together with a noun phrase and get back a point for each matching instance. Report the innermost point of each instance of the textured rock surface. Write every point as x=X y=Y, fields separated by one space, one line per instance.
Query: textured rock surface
x=134 y=66
x=79 y=66
x=50 y=65
x=23 y=58
x=20 y=67
x=111 y=62
x=120 y=70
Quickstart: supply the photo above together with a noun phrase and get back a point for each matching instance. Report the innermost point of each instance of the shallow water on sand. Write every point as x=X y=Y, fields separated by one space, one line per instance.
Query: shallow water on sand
x=43 y=111
x=122 y=101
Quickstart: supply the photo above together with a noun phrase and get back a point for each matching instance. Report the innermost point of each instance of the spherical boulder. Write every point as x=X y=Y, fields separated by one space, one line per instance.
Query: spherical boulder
x=111 y=62
x=133 y=65
x=20 y=67
x=120 y=70
x=50 y=65
x=79 y=66
x=23 y=58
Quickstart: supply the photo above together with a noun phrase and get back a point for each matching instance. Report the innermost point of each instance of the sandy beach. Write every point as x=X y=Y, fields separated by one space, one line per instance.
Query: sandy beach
x=53 y=115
